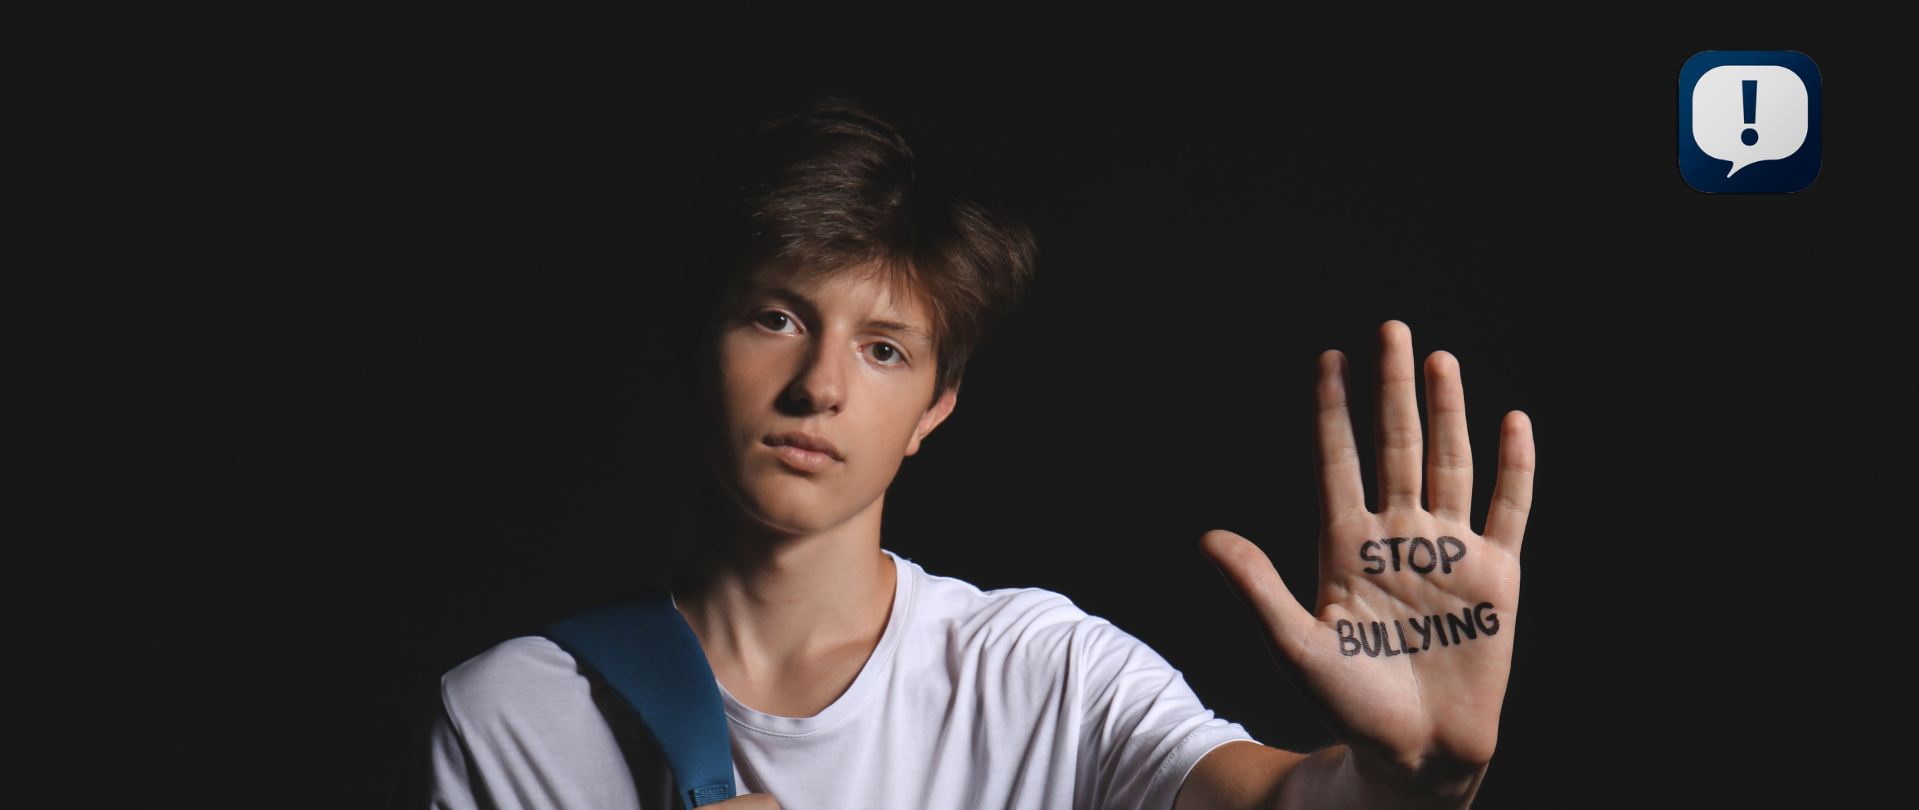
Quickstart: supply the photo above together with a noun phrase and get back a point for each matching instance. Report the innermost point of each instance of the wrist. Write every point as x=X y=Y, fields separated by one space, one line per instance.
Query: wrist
x=1339 y=777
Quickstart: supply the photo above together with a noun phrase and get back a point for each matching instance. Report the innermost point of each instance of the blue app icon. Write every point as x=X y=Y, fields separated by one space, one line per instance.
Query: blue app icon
x=1749 y=121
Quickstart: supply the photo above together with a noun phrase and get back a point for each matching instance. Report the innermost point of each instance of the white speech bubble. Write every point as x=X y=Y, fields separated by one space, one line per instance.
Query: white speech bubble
x=1719 y=114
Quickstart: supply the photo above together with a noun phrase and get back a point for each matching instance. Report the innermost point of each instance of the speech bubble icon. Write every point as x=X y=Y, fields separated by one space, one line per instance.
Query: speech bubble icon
x=1746 y=124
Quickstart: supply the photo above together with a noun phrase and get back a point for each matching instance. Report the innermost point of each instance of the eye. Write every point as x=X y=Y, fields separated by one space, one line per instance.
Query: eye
x=774 y=320
x=887 y=354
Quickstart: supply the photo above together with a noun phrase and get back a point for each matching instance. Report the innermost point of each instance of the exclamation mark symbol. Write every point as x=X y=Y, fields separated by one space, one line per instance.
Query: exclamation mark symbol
x=1749 y=89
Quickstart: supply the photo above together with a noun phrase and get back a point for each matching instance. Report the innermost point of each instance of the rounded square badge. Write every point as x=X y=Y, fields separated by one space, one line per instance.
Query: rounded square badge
x=1749 y=121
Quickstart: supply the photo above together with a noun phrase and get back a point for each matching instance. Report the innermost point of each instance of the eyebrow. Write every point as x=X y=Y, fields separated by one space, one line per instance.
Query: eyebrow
x=903 y=328
x=872 y=323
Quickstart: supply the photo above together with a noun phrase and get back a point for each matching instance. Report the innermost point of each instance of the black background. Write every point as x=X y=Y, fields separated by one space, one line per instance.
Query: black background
x=410 y=280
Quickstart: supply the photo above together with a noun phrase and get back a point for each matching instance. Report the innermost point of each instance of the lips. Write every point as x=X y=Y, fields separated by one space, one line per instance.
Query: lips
x=805 y=450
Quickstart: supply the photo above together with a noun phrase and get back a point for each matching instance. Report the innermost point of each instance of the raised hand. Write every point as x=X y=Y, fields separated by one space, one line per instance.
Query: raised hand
x=1406 y=654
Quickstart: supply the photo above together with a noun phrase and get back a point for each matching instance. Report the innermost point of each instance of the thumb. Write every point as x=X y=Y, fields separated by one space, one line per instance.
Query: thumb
x=1252 y=575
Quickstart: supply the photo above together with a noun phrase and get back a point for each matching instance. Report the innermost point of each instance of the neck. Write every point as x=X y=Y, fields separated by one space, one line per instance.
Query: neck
x=767 y=605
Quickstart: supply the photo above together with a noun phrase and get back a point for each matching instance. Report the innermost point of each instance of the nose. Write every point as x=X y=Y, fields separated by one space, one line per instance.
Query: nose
x=820 y=384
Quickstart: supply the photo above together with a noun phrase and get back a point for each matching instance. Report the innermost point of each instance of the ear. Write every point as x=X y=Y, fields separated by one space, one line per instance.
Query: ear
x=942 y=408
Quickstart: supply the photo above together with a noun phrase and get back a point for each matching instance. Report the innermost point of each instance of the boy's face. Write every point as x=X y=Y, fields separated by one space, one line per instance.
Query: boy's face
x=817 y=391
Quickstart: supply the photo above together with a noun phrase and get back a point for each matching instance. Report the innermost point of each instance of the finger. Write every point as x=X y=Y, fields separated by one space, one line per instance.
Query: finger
x=1251 y=574
x=750 y=801
x=1342 y=490
x=1398 y=438
x=1449 y=467
x=1513 y=492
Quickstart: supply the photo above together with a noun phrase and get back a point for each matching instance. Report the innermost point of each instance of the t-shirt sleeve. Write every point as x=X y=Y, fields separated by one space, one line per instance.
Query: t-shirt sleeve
x=1143 y=729
x=452 y=768
x=520 y=729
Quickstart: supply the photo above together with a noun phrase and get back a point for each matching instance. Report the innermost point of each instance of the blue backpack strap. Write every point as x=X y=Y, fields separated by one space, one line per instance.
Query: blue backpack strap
x=644 y=650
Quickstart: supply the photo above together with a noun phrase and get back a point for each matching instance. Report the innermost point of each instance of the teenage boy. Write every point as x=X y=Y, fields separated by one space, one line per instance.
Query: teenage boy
x=846 y=274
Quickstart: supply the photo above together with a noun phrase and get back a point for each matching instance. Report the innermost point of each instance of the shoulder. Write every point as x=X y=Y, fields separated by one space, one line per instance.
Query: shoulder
x=961 y=605
x=522 y=677
x=531 y=730
x=1029 y=621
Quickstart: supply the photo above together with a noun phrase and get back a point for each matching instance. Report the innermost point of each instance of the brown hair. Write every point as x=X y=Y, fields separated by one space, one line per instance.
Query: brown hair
x=835 y=186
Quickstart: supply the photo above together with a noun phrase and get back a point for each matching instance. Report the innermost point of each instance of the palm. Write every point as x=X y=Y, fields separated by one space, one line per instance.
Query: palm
x=1399 y=681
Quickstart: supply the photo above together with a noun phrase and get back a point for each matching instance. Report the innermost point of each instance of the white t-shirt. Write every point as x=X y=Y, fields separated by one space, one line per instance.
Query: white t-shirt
x=1012 y=698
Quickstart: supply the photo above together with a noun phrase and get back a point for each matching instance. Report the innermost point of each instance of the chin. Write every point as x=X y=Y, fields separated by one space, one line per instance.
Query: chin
x=798 y=521
x=793 y=505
